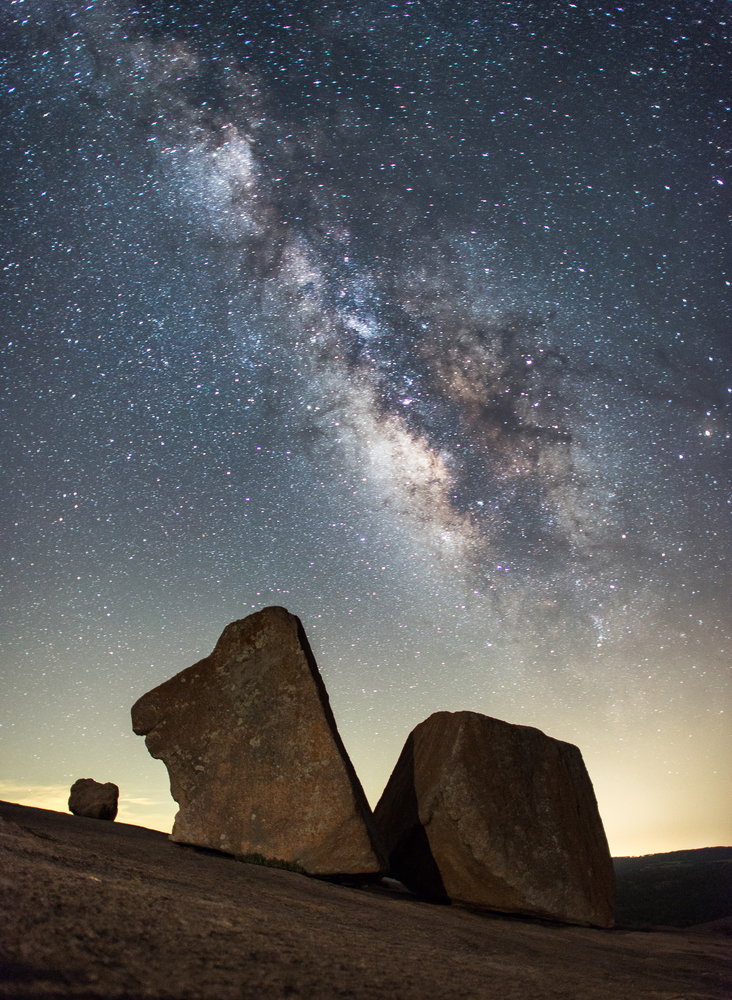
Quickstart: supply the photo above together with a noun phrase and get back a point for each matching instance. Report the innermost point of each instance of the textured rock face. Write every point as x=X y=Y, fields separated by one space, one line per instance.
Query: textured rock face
x=88 y=797
x=497 y=815
x=254 y=756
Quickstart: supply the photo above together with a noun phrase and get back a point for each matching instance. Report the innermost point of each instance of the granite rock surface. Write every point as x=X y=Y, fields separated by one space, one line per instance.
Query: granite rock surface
x=107 y=911
x=91 y=798
x=499 y=816
x=255 y=760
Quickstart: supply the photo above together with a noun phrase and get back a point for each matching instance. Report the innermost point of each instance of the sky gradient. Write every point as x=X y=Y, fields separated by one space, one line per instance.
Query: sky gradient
x=412 y=318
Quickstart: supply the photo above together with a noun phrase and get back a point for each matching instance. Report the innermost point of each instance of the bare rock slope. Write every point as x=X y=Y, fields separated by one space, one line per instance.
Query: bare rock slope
x=107 y=911
x=255 y=760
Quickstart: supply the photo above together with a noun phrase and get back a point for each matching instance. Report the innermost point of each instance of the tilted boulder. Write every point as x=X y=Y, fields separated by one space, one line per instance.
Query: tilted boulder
x=88 y=797
x=255 y=760
x=499 y=816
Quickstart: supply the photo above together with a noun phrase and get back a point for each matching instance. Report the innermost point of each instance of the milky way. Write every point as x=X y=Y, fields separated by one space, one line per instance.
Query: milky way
x=413 y=318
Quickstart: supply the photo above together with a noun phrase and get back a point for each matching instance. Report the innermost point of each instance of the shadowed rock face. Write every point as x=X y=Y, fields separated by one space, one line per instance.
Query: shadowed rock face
x=500 y=816
x=255 y=760
x=91 y=798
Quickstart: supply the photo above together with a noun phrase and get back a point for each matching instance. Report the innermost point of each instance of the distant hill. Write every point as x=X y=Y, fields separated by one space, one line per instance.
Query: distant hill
x=678 y=889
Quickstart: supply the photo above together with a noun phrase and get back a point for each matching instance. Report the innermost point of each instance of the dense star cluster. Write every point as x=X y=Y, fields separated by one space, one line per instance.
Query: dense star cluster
x=410 y=317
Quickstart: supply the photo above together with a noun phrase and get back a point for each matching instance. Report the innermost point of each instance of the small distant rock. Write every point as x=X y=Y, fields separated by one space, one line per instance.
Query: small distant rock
x=255 y=760
x=94 y=799
x=498 y=816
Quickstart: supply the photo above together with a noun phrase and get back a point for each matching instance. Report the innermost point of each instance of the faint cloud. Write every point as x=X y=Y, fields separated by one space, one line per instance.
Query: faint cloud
x=135 y=810
x=39 y=796
x=139 y=810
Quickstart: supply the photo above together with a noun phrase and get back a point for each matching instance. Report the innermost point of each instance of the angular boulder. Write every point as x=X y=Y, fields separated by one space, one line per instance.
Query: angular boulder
x=88 y=797
x=499 y=816
x=255 y=760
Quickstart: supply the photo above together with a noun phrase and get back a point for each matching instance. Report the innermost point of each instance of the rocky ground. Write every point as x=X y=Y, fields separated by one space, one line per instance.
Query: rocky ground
x=94 y=909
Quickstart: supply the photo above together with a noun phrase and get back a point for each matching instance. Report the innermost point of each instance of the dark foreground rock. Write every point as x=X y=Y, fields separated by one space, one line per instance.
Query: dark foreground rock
x=91 y=798
x=255 y=760
x=499 y=816
x=105 y=910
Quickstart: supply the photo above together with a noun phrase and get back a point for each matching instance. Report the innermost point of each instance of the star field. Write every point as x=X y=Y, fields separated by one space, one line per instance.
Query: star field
x=412 y=318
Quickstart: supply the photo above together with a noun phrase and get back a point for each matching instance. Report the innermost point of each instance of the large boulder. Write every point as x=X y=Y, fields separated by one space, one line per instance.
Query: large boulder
x=498 y=816
x=88 y=797
x=255 y=760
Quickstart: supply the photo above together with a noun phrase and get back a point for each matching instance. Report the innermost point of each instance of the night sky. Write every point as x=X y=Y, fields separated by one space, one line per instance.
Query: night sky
x=411 y=317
